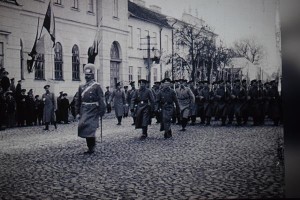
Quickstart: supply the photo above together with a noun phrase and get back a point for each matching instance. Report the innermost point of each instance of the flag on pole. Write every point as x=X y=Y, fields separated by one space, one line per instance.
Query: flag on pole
x=33 y=53
x=49 y=22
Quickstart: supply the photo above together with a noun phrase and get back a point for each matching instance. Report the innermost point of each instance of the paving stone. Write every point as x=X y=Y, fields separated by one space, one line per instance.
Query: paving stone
x=202 y=163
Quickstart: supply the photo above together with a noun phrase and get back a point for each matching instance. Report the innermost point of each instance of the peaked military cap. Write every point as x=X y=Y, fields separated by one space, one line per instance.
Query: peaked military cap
x=143 y=81
x=12 y=79
x=36 y=96
x=46 y=87
x=132 y=82
x=107 y=86
x=5 y=72
x=244 y=81
x=19 y=81
x=253 y=81
x=89 y=69
x=65 y=94
x=166 y=80
x=118 y=84
x=23 y=90
x=157 y=82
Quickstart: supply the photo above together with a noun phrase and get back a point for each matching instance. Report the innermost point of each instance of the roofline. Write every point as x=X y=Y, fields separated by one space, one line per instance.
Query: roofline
x=140 y=18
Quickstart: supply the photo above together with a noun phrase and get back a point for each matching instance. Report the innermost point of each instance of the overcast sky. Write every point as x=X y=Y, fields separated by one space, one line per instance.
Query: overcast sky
x=232 y=20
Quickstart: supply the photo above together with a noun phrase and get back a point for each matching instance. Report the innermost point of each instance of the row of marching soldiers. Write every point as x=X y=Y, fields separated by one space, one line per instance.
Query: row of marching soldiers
x=183 y=102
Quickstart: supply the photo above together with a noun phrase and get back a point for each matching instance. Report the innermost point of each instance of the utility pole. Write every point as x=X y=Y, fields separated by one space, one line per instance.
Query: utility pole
x=148 y=56
x=148 y=60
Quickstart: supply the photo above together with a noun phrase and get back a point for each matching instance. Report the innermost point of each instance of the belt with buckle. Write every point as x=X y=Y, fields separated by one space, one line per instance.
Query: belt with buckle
x=90 y=103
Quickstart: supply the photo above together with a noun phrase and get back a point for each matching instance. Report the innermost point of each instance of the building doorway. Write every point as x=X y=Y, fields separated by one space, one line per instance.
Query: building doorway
x=115 y=62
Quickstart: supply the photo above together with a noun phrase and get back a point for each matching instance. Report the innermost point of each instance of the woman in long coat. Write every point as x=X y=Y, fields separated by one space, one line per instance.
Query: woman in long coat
x=118 y=96
x=49 y=107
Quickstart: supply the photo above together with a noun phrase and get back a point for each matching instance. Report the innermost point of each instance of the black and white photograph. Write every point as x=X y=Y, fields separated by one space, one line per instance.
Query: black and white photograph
x=148 y=99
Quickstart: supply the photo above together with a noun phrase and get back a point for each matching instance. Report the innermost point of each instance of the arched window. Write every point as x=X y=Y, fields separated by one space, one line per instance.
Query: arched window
x=114 y=51
x=75 y=63
x=58 y=62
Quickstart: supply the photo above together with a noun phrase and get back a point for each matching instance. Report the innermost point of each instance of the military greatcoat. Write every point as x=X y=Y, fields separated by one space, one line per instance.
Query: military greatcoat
x=90 y=105
x=186 y=99
x=49 y=107
x=119 y=101
x=165 y=100
x=144 y=100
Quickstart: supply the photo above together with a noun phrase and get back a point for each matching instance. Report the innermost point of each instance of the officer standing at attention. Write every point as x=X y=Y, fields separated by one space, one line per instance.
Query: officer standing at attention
x=90 y=106
x=145 y=101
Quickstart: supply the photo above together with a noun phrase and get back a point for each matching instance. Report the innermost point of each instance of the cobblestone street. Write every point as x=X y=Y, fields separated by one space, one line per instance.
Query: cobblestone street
x=201 y=163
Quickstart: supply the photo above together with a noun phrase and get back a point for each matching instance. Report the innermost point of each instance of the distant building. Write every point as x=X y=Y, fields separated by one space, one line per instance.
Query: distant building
x=241 y=68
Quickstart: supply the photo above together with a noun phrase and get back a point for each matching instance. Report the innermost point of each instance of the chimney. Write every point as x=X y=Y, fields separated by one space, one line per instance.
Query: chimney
x=140 y=2
x=155 y=8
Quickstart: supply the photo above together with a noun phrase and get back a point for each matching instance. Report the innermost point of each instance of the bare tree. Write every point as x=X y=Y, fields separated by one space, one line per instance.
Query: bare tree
x=249 y=49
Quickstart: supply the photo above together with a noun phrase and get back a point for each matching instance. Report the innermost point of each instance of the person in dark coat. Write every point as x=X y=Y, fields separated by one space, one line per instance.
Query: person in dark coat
x=30 y=108
x=5 y=83
x=90 y=106
x=59 y=108
x=194 y=105
x=3 y=109
x=65 y=104
x=207 y=95
x=38 y=110
x=72 y=106
x=130 y=95
x=11 y=109
x=220 y=96
x=18 y=90
x=200 y=103
x=274 y=109
x=126 y=106
x=229 y=101
x=22 y=108
x=255 y=104
x=107 y=95
x=118 y=96
x=165 y=100
x=49 y=107
x=155 y=91
x=144 y=100
x=238 y=98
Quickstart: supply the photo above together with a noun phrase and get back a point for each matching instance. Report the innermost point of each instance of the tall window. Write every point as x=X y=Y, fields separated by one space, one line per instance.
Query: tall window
x=130 y=29
x=39 y=73
x=75 y=4
x=116 y=7
x=155 y=40
x=154 y=74
x=139 y=73
x=57 y=2
x=75 y=64
x=130 y=73
x=58 y=62
x=167 y=43
x=139 y=35
x=91 y=6
x=1 y=55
